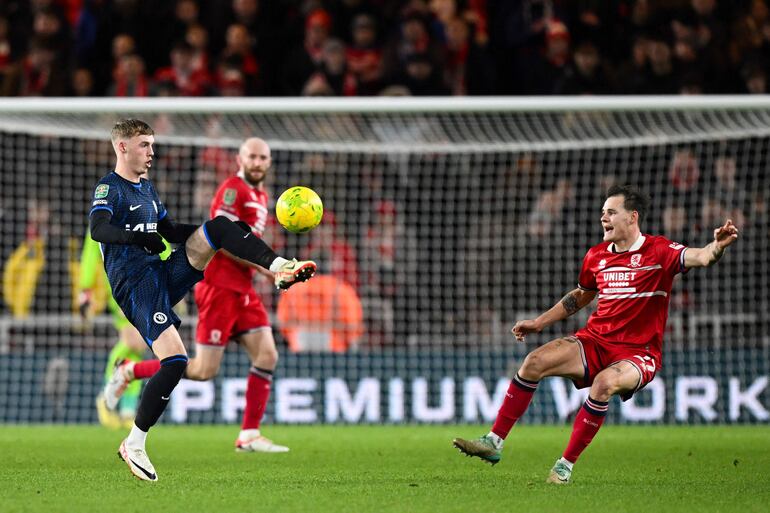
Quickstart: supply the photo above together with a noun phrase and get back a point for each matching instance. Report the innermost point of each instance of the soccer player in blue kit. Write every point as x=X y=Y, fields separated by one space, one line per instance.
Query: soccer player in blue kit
x=127 y=218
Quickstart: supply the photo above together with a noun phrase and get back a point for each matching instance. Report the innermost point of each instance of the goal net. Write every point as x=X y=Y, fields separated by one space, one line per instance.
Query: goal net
x=446 y=221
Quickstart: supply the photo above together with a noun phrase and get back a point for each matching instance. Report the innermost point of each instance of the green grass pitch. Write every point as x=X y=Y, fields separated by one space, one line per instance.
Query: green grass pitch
x=385 y=469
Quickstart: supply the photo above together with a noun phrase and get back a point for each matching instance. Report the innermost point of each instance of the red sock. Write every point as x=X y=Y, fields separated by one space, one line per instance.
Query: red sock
x=257 y=394
x=587 y=423
x=146 y=368
x=516 y=401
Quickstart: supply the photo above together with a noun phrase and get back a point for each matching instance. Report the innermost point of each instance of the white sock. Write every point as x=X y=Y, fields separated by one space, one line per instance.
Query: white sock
x=136 y=438
x=277 y=263
x=248 y=434
x=568 y=463
x=496 y=440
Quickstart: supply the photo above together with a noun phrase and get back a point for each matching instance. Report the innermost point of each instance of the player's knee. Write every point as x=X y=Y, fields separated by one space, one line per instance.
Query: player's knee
x=533 y=366
x=267 y=358
x=604 y=387
x=175 y=365
x=215 y=229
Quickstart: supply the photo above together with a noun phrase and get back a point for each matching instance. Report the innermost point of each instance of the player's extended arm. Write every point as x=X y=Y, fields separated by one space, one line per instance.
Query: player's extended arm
x=712 y=252
x=175 y=233
x=568 y=305
x=103 y=231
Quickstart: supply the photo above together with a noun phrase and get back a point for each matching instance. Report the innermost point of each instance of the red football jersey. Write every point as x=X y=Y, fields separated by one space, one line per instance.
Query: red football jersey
x=634 y=290
x=236 y=200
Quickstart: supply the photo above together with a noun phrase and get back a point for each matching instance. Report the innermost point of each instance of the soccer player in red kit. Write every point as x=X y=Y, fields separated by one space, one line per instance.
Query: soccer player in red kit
x=619 y=350
x=228 y=306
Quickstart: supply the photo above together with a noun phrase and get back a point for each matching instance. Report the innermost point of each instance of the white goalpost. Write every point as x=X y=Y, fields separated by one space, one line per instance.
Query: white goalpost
x=450 y=219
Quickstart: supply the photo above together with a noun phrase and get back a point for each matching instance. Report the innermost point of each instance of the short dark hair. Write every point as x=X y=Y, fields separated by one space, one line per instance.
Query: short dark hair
x=128 y=128
x=633 y=199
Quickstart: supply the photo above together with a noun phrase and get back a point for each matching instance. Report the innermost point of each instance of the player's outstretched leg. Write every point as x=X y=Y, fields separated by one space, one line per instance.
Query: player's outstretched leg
x=222 y=233
x=490 y=446
x=154 y=400
x=483 y=447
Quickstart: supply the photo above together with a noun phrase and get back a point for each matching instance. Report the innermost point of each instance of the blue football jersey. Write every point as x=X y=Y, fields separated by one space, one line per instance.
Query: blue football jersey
x=134 y=207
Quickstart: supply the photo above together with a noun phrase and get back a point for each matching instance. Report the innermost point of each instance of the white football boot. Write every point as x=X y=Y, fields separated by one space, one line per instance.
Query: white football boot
x=138 y=462
x=259 y=443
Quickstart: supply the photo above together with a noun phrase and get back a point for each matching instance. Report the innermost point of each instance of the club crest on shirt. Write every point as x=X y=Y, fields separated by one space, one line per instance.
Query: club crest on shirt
x=636 y=260
x=602 y=263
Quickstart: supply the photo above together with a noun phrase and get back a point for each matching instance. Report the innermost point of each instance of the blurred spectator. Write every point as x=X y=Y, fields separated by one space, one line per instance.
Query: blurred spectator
x=475 y=46
x=333 y=78
x=469 y=67
x=421 y=77
x=230 y=80
x=82 y=83
x=675 y=223
x=239 y=49
x=754 y=76
x=517 y=28
x=186 y=80
x=198 y=38
x=321 y=315
x=728 y=191
x=632 y=74
x=551 y=64
x=329 y=249
x=130 y=78
x=36 y=74
x=5 y=47
x=364 y=56
x=412 y=39
x=586 y=73
x=549 y=209
x=660 y=77
x=303 y=61
x=684 y=171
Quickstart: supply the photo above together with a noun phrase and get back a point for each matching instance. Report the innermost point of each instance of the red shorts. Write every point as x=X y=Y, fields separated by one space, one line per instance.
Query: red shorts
x=224 y=314
x=598 y=355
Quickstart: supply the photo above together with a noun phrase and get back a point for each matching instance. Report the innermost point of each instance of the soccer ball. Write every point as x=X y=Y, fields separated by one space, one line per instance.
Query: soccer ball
x=299 y=209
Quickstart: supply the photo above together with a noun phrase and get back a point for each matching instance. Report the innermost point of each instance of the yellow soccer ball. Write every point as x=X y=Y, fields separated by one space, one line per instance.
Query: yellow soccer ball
x=299 y=209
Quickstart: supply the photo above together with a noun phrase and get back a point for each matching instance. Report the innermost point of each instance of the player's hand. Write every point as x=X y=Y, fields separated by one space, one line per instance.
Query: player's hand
x=151 y=242
x=84 y=302
x=523 y=328
x=726 y=234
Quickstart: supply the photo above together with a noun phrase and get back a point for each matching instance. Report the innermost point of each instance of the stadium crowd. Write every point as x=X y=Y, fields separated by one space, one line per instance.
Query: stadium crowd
x=382 y=47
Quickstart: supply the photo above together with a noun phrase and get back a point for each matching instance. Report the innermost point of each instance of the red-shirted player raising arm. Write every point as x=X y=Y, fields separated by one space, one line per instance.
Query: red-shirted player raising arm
x=228 y=306
x=619 y=349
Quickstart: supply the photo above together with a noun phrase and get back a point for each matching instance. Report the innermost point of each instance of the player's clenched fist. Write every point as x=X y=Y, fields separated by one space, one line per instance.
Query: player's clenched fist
x=523 y=328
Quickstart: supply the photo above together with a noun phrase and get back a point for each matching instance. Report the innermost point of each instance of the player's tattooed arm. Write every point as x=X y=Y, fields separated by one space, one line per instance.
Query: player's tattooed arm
x=576 y=299
x=570 y=302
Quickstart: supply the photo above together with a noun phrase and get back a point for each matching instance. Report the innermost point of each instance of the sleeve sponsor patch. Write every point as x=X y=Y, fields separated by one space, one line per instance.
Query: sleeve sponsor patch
x=101 y=191
x=99 y=202
x=229 y=196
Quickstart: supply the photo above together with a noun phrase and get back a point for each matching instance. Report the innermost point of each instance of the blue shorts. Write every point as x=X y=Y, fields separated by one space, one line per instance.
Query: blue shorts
x=147 y=299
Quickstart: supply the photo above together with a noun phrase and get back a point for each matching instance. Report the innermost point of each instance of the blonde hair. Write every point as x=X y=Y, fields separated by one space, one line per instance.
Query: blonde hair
x=128 y=128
